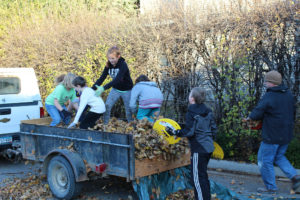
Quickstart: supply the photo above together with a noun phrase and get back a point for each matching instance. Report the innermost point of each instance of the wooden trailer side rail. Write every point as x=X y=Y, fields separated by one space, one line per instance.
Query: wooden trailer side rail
x=148 y=167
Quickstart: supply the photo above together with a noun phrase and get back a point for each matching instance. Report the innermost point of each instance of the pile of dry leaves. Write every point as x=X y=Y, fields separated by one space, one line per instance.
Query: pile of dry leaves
x=186 y=195
x=148 y=144
x=27 y=188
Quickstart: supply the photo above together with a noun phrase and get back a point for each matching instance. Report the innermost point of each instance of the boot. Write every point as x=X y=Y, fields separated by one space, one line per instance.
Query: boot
x=296 y=183
x=265 y=190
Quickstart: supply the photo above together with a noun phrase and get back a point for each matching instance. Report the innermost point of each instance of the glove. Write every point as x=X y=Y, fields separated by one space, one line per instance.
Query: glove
x=99 y=90
x=170 y=131
x=72 y=125
x=66 y=113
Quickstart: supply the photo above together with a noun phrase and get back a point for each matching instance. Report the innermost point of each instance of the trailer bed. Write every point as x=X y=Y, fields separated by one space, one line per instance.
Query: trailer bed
x=94 y=147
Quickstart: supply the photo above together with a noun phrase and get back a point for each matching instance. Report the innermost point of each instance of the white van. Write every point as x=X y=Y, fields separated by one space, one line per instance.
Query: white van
x=20 y=99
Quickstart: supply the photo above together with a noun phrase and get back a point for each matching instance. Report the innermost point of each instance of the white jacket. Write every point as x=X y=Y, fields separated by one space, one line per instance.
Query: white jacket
x=88 y=98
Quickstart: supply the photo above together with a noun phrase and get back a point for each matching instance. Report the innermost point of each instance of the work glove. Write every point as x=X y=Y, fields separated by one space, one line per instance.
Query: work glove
x=170 y=131
x=72 y=125
x=66 y=113
x=99 y=90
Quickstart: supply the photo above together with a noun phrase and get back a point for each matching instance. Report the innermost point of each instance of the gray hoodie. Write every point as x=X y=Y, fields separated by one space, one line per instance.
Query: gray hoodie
x=148 y=95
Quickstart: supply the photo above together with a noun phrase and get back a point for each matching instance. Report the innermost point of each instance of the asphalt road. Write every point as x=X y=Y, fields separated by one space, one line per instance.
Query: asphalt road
x=114 y=188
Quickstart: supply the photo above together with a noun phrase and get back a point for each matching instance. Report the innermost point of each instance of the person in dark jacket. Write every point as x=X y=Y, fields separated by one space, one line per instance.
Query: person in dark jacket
x=200 y=128
x=121 y=83
x=276 y=109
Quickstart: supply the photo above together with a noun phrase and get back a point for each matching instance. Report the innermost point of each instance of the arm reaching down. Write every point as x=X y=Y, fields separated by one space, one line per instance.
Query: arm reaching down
x=101 y=79
x=135 y=92
x=57 y=105
x=83 y=102
x=258 y=112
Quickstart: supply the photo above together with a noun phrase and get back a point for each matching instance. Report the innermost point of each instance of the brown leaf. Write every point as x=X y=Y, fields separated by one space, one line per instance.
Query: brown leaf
x=292 y=191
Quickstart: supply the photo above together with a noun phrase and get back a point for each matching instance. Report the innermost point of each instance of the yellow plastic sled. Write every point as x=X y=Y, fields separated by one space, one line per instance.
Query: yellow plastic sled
x=160 y=127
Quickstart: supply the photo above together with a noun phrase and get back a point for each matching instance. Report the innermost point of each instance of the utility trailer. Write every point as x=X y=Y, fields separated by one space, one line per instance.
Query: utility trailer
x=68 y=155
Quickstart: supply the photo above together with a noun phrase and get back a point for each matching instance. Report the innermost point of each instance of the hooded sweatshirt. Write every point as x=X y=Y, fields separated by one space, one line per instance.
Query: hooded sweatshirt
x=188 y=131
x=119 y=74
x=277 y=111
x=148 y=95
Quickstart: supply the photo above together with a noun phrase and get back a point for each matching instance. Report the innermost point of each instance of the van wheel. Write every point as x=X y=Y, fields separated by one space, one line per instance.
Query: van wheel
x=61 y=179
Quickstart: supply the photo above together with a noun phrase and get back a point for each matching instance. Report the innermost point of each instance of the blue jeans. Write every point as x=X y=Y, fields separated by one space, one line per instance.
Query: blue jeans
x=56 y=115
x=146 y=113
x=268 y=154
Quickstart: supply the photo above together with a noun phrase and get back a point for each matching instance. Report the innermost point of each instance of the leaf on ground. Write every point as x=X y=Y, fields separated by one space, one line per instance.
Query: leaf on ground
x=292 y=191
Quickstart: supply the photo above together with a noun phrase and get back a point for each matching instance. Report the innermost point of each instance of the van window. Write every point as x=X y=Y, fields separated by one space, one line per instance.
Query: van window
x=9 y=85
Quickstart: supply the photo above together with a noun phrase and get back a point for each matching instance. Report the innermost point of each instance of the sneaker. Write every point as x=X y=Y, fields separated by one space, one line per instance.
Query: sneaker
x=296 y=183
x=265 y=190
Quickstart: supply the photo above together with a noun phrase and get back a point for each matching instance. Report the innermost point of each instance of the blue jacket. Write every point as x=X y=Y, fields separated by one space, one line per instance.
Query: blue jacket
x=277 y=111
x=148 y=95
x=196 y=142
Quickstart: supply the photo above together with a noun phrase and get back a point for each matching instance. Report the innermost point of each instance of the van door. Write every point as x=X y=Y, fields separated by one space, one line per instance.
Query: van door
x=19 y=98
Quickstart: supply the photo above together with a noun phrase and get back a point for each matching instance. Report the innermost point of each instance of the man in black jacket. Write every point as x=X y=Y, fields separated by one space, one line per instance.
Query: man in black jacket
x=276 y=109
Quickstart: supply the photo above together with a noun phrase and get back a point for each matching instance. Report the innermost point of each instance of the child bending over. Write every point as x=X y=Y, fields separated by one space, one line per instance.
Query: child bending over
x=55 y=102
x=149 y=96
x=87 y=97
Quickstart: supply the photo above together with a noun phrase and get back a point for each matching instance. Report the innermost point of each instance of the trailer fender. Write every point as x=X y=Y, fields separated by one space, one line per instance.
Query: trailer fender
x=74 y=159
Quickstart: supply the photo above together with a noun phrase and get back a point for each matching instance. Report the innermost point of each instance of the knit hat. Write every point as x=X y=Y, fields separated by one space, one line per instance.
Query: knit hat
x=273 y=77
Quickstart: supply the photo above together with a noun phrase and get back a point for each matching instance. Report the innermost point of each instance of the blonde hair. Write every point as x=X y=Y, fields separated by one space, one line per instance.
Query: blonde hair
x=59 y=79
x=67 y=82
x=199 y=95
x=113 y=49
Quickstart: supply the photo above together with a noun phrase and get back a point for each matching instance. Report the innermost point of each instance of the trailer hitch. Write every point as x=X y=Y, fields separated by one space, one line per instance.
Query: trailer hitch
x=12 y=155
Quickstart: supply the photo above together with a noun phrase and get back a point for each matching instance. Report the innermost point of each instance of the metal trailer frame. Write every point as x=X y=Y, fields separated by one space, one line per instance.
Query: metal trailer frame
x=81 y=148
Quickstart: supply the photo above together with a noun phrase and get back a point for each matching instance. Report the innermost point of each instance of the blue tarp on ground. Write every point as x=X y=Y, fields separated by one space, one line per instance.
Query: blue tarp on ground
x=159 y=186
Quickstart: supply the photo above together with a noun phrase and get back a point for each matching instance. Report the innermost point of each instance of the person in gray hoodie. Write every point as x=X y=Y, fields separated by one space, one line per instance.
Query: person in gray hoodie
x=149 y=96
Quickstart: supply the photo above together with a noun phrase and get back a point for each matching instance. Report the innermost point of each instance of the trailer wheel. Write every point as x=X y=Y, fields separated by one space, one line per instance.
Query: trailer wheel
x=61 y=179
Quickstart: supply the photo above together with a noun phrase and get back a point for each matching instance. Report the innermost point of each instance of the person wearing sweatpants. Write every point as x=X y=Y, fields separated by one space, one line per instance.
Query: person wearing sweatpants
x=199 y=162
x=200 y=128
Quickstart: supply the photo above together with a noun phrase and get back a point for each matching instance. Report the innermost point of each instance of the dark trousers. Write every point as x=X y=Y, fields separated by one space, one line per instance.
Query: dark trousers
x=200 y=180
x=89 y=120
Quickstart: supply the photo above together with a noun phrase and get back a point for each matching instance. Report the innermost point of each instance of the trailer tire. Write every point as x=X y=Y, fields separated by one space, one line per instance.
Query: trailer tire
x=61 y=179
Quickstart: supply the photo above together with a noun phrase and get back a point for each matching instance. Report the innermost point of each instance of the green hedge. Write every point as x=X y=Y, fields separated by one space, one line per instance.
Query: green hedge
x=293 y=152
